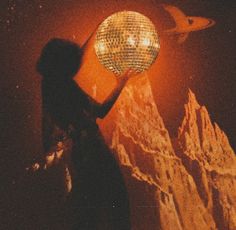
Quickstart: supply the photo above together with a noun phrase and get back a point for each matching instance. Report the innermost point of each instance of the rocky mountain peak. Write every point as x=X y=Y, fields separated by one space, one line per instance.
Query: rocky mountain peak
x=137 y=118
x=203 y=140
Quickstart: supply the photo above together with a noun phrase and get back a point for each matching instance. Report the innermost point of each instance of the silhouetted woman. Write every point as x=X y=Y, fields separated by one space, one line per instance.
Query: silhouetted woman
x=98 y=199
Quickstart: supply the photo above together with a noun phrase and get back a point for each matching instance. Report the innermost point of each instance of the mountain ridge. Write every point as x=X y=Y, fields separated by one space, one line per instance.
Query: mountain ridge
x=182 y=180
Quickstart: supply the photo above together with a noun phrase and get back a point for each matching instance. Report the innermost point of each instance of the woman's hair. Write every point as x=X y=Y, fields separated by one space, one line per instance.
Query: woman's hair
x=59 y=59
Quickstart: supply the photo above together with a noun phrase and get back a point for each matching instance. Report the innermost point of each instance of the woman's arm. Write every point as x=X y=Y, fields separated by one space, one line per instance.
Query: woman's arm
x=111 y=99
x=101 y=109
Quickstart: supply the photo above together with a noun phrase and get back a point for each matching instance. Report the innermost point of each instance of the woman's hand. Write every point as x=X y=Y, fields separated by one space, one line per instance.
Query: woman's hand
x=124 y=77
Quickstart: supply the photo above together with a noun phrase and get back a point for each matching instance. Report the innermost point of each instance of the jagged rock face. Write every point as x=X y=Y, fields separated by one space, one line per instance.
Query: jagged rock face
x=209 y=158
x=173 y=184
x=202 y=140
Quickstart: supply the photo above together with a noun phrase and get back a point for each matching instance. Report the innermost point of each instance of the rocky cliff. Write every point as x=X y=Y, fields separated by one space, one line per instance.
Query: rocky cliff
x=207 y=155
x=184 y=183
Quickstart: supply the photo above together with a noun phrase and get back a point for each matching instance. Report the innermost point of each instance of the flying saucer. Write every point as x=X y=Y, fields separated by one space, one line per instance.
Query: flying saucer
x=186 y=24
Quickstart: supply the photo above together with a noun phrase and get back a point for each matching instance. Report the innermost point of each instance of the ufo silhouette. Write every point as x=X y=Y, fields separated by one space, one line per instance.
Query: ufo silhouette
x=185 y=24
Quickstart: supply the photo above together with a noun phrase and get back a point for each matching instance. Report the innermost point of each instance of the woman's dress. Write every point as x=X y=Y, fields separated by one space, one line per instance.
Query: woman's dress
x=98 y=199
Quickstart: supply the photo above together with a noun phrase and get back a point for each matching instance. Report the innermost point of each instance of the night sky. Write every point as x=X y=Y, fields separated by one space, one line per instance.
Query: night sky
x=205 y=63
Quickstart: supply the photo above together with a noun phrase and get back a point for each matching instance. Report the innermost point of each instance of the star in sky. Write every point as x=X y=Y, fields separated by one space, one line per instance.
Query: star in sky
x=18 y=10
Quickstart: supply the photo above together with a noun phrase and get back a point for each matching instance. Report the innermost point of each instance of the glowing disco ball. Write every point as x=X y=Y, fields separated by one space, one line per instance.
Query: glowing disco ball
x=125 y=40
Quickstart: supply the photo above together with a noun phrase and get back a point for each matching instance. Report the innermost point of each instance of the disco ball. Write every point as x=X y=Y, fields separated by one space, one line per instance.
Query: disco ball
x=125 y=40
